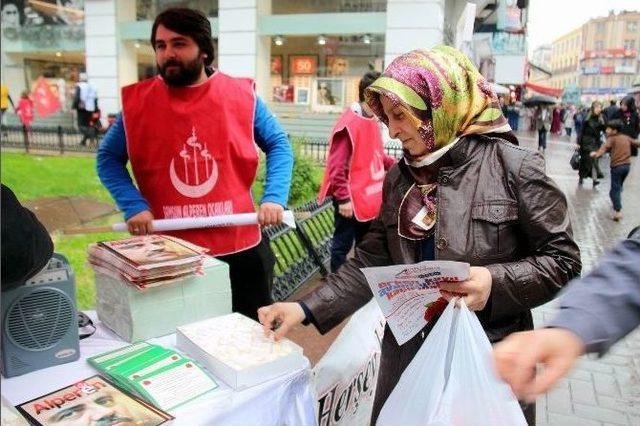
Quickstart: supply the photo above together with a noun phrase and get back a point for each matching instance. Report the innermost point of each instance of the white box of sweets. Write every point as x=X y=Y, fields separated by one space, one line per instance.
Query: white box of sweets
x=235 y=349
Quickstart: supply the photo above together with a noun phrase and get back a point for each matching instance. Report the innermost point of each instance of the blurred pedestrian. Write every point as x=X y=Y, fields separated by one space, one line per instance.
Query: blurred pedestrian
x=612 y=112
x=355 y=170
x=568 y=121
x=26 y=113
x=85 y=102
x=556 y=121
x=595 y=312
x=630 y=120
x=589 y=142
x=619 y=146
x=543 y=124
x=578 y=120
x=5 y=100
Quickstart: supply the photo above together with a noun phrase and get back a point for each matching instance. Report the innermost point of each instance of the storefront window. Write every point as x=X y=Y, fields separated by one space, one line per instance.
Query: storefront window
x=147 y=10
x=323 y=77
x=285 y=7
x=61 y=76
x=45 y=23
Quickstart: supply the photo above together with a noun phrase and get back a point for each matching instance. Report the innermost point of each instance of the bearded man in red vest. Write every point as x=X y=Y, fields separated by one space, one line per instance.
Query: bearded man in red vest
x=355 y=170
x=192 y=136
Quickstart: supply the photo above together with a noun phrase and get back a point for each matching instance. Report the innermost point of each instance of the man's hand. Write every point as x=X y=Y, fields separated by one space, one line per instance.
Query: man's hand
x=280 y=317
x=140 y=224
x=346 y=209
x=475 y=291
x=270 y=214
x=516 y=358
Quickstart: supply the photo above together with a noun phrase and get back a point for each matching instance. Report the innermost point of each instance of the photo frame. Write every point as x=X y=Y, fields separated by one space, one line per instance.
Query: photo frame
x=328 y=94
x=283 y=93
x=302 y=96
x=303 y=64
x=336 y=66
x=276 y=64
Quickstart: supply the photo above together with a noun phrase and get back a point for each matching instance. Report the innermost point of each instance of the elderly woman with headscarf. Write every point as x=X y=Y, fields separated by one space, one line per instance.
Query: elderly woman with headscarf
x=464 y=192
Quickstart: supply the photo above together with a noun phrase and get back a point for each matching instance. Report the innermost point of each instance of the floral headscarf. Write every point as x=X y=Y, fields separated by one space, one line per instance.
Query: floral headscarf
x=446 y=98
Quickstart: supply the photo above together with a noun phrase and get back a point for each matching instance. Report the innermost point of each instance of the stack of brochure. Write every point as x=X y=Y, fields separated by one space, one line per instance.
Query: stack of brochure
x=235 y=349
x=147 y=261
x=161 y=376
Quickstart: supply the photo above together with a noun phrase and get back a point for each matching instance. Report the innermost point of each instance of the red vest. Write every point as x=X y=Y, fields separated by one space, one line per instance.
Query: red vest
x=193 y=154
x=366 y=167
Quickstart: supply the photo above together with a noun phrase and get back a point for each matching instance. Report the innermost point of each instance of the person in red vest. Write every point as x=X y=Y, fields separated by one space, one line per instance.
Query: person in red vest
x=192 y=136
x=353 y=177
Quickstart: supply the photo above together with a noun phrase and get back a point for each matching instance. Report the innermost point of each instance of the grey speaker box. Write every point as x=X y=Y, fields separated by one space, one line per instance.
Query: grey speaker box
x=39 y=321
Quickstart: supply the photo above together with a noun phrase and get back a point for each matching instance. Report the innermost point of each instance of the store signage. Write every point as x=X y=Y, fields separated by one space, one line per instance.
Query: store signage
x=606 y=69
x=590 y=70
x=304 y=65
x=604 y=90
x=508 y=44
x=610 y=53
x=625 y=69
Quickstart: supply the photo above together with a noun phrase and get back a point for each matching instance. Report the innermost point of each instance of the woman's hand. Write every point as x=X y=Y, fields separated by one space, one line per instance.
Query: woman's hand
x=475 y=291
x=280 y=318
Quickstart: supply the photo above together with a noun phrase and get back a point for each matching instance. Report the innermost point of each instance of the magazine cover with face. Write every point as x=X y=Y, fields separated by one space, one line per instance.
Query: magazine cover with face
x=92 y=401
x=151 y=249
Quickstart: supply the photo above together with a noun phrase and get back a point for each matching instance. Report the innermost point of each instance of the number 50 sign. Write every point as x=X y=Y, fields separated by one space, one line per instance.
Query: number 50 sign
x=303 y=64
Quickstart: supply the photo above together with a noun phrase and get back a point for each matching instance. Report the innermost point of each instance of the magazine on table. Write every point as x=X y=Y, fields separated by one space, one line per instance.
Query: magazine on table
x=149 y=251
x=94 y=400
x=405 y=293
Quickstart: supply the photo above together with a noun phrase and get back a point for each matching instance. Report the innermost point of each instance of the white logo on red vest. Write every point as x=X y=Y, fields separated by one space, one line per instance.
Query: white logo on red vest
x=377 y=166
x=194 y=155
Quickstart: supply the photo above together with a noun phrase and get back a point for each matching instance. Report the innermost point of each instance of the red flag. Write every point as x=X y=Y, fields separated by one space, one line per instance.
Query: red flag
x=46 y=102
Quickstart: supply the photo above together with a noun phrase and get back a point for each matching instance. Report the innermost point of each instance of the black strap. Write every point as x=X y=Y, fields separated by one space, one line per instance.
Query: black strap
x=83 y=322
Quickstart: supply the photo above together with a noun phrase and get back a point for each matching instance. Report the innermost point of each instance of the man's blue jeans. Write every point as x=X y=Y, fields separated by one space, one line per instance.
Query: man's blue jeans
x=618 y=175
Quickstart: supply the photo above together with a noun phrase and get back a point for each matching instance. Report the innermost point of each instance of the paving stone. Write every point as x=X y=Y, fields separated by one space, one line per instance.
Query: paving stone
x=583 y=392
x=559 y=401
x=600 y=414
x=556 y=419
x=606 y=385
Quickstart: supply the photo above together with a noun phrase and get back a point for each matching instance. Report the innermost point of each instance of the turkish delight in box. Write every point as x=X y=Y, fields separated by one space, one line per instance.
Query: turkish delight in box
x=235 y=349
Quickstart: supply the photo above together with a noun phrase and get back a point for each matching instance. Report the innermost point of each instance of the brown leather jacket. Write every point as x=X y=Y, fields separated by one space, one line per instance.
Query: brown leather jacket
x=498 y=209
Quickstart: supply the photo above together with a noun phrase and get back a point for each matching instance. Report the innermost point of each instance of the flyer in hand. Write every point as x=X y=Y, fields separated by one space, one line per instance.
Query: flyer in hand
x=406 y=292
x=91 y=401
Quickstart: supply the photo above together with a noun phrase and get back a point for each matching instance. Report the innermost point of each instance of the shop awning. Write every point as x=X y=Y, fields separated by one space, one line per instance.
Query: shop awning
x=543 y=90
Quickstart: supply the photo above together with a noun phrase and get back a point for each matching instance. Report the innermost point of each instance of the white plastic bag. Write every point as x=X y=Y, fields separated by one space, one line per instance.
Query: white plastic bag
x=451 y=380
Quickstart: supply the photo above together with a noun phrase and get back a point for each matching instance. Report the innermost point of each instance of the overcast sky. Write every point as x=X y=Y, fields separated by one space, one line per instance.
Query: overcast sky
x=550 y=19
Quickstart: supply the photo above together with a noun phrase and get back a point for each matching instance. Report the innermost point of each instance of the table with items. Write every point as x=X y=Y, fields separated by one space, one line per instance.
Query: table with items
x=286 y=399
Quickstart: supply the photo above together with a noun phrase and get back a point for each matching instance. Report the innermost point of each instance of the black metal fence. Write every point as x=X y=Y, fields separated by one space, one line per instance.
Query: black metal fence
x=318 y=148
x=62 y=139
x=58 y=139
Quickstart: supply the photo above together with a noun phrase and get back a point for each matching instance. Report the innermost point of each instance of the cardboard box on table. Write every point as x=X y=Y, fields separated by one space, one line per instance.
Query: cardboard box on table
x=135 y=314
x=235 y=349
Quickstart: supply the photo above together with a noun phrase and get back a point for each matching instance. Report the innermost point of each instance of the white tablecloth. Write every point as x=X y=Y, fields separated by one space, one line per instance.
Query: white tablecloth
x=286 y=400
